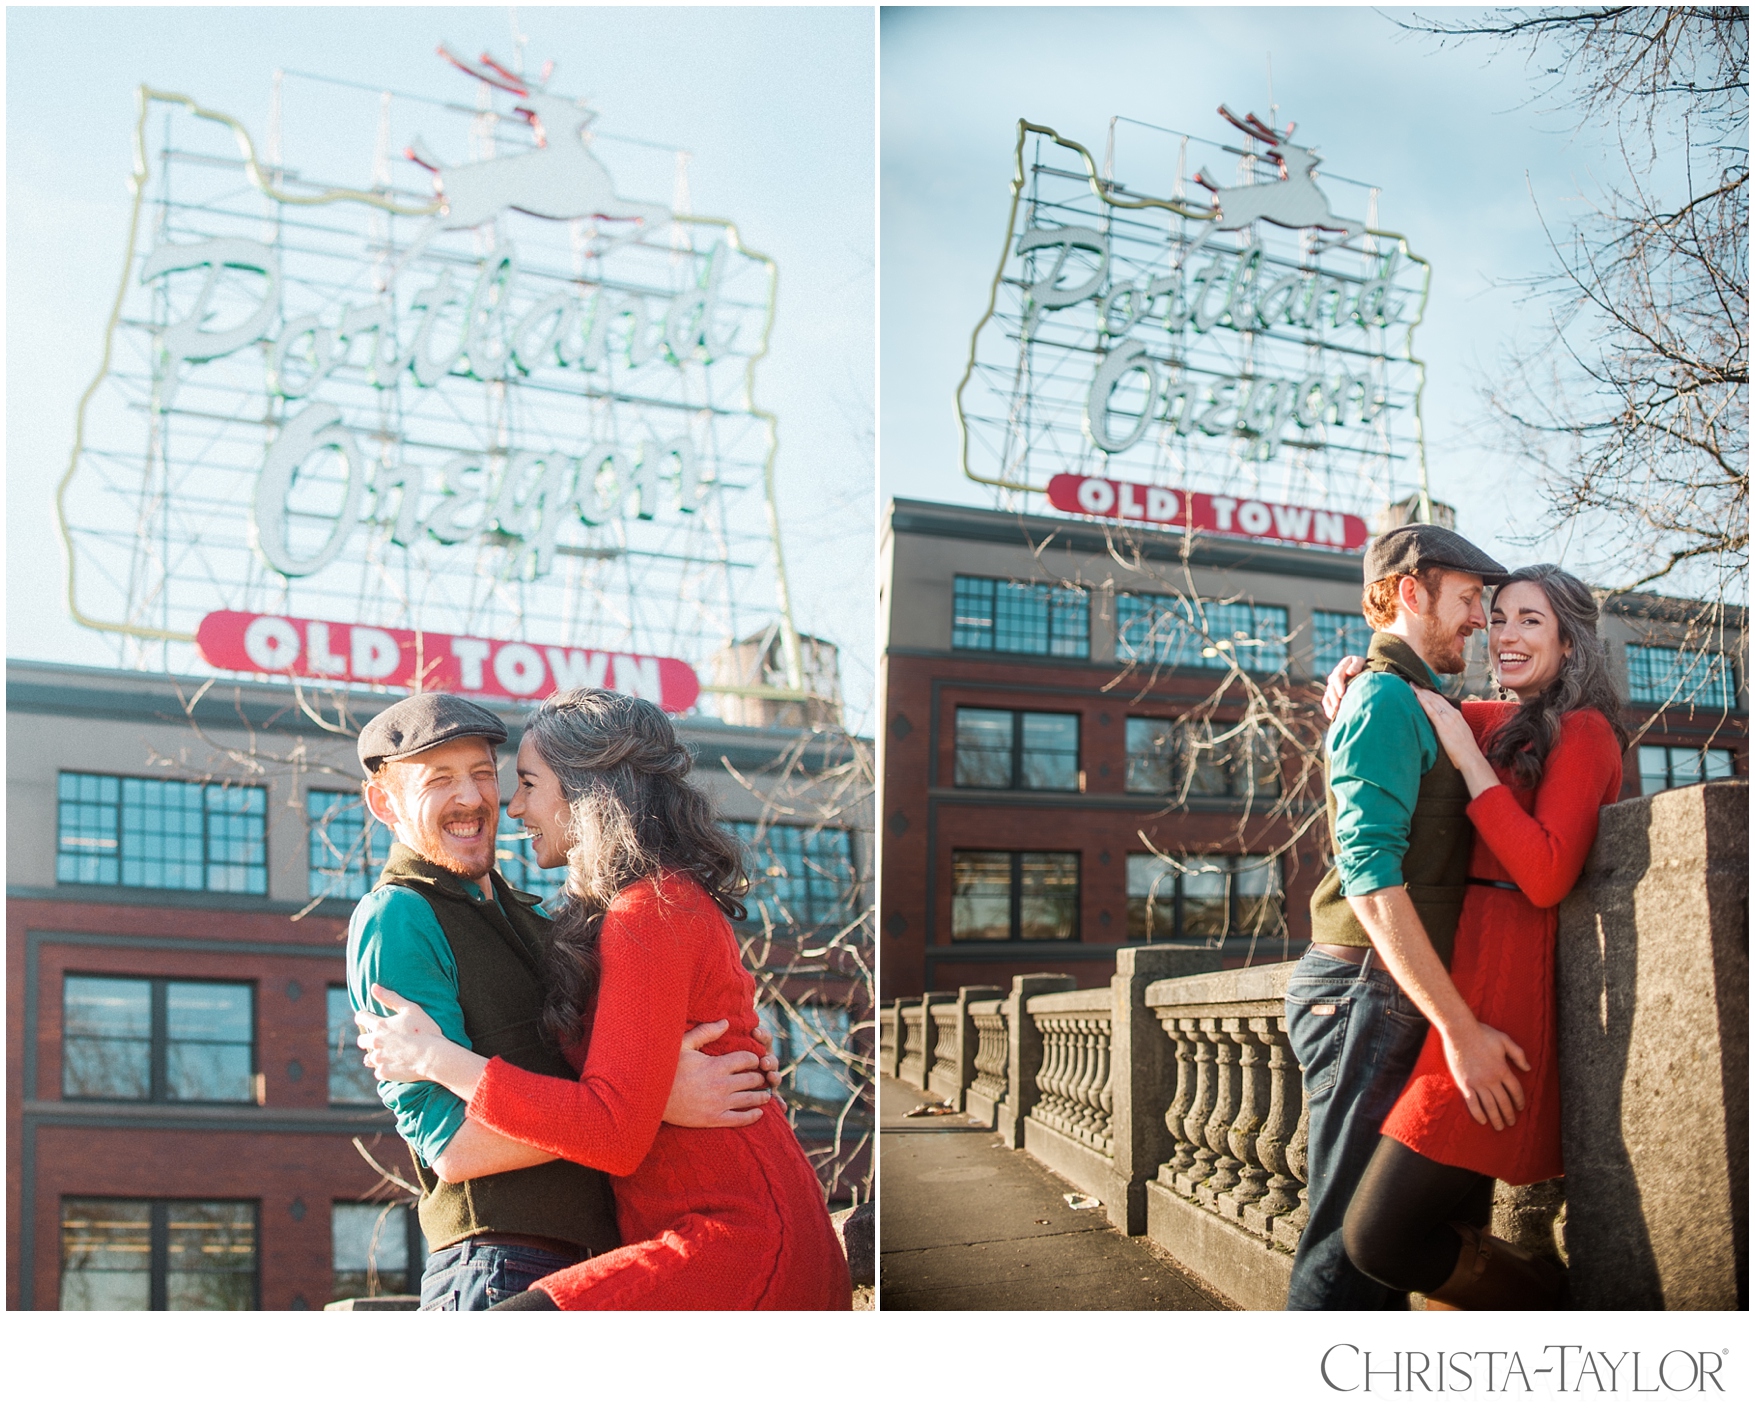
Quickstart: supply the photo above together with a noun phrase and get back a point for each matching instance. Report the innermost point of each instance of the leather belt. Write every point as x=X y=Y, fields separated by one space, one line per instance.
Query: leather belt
x=567 y=1249
x=1353 y=956
x=1495 y=883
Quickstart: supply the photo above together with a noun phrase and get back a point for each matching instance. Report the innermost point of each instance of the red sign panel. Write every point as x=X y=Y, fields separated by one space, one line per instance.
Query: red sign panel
x=1212 y=515
x=434 y=662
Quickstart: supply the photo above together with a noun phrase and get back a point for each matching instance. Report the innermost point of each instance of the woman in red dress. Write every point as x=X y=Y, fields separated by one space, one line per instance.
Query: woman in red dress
x=1538 y=769
x=723 y=1218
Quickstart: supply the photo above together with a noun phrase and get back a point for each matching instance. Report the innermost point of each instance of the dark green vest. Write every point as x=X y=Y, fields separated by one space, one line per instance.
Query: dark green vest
x=500 y=983
x=1440 y=837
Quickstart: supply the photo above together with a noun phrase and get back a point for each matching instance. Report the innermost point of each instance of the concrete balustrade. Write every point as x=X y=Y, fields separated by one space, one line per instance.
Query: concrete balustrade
x=1177 y=1100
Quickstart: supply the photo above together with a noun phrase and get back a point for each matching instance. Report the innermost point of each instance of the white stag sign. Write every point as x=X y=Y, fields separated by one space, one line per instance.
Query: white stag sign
x=1250 y=336
x=506 y=390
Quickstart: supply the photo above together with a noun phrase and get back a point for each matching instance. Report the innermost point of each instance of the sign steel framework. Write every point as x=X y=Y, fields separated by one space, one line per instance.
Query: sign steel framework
x=1251 y=342
x=502 y=397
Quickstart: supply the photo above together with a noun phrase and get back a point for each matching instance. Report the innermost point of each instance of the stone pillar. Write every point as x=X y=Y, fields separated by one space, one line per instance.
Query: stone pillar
x=966 y=1039
x=928 y=1036
x=1024 y=1055
x=896 y=1005
x=1653 y=977
x=1142 y=1081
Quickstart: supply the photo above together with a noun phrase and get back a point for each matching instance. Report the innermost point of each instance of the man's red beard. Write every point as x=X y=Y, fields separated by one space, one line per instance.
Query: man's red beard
x=1438 y=647
x=436 y=846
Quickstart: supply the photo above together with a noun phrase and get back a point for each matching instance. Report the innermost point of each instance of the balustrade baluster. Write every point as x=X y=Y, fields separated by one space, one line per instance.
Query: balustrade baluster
x=1199 y=1111
x=990 y=1056
x=1251 y=1109
x=1290 y=1226
x=1049 y=1078
x=1218 y=1125
x=1285 y=1097
x=1106 y=1094
x=1176 y=1116
x=1085 y=1085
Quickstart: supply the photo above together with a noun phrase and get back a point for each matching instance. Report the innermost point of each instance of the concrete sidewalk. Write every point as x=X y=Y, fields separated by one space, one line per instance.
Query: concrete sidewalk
x=966 y=1223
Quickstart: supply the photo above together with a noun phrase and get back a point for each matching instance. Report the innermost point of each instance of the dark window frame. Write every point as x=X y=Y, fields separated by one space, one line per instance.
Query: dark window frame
x=414 y=1252
x=159 y=1040
x=1322 y=644
x=830 y=902
x=1233 y=868
x=333 y=1043
x=1018 y=752
x=1065 y=624
x=1716 y=692
x=1670 y=754
x=322 y=849
x=217 y=841
x=1015 y=898
x=1238 y=763
x=158 y=1241
x=1267 y=655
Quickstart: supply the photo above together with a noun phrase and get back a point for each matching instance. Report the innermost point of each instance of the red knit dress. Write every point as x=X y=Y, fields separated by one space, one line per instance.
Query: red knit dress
x=714 y=1219
x=1504 y=959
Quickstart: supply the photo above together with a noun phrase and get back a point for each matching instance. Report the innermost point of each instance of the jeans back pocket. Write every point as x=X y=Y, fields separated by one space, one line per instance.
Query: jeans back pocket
x=1316 y=1027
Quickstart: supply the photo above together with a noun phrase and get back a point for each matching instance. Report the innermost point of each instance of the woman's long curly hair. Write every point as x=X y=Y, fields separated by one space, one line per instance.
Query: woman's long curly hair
x=634 y=815
x=1523 y=743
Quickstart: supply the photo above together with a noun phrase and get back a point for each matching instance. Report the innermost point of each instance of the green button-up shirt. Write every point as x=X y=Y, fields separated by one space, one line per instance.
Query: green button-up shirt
x=1379 y=746
x=394 y=940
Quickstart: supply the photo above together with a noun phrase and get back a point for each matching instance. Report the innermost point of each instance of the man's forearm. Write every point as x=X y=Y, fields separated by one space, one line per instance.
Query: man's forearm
x=1399 y=936
x=476 y=1150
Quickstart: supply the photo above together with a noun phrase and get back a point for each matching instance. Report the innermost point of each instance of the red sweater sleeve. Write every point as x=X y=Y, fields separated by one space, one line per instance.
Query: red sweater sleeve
x=1544 y=852
x=609 y=1118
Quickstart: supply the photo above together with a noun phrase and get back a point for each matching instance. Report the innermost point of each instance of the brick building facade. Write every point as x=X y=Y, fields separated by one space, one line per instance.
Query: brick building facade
x=183 y=1098
x=1142 y=799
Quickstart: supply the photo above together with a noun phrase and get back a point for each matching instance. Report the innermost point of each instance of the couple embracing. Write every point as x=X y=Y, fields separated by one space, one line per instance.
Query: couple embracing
x=1424 y=1014
x=586 y=1096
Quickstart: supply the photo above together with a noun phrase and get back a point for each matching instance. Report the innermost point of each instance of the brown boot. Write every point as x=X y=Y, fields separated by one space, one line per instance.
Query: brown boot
x=1492 y=1274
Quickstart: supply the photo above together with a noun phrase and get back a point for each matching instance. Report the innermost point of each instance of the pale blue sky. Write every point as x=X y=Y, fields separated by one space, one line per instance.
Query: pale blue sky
x=1448 y=136
x=774 y=104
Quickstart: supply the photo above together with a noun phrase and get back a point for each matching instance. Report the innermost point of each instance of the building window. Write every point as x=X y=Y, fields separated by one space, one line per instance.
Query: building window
x=800 y=875
x=1004 y=897
x=161 y=834
x=1209 y=896
x=350 y=1082
x=158 y=1041
x=1017 y=750
x=1669 y=767
x=1204 y=759
x=811 y=1044
x=121 y=1255
x=1680 y=677
x=1335 y=636
x=349 y=847
x=376 y=1249
x=1153 y=749
x=1047 y=620
x=1166 y=629
x=515 y=858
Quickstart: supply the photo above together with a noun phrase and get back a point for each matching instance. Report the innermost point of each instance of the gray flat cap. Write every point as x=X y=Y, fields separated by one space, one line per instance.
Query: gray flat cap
x=419 y=723
x=1410 y=547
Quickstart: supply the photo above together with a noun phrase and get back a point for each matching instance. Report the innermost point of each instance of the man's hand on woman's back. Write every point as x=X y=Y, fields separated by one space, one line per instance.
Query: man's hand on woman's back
x=721 y=1091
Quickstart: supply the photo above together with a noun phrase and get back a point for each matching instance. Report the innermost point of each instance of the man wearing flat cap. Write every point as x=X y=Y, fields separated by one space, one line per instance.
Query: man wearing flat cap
x=444 y=930
x=1383 y=919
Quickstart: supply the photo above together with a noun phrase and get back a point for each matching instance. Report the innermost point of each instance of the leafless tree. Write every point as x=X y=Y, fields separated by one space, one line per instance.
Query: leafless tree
x=1633 y=403
x=1249 y=732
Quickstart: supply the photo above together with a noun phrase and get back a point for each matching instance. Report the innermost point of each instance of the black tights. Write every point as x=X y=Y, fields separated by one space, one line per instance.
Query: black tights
x=1397 y=1227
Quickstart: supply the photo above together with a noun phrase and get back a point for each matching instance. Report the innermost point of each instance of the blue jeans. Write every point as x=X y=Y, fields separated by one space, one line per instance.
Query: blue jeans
x=1357 y=1036
x=475 y=1274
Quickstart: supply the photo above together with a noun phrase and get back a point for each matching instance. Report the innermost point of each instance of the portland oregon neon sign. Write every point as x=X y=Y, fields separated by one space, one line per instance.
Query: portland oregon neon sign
x=504 y=394
x=1238 y=349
